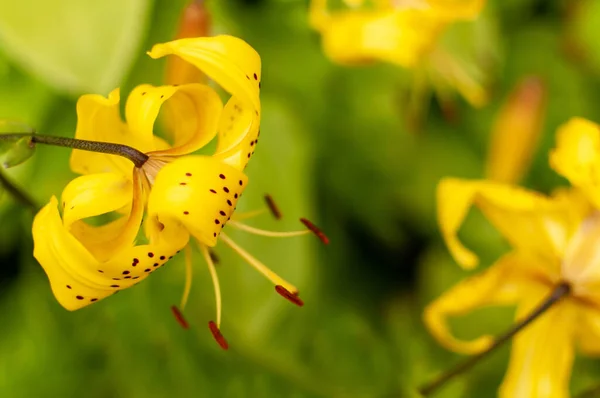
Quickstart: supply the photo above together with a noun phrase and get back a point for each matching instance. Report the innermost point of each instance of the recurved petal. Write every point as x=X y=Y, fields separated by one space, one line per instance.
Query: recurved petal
x=542 y=354
x=456 y=9
x=577 y=156
x=95 y=194
x=199 y=192
x=72 y=270
x=501 y=284
x=528 y=220
x=98 y=119
x=227 y=60
x=191 y=114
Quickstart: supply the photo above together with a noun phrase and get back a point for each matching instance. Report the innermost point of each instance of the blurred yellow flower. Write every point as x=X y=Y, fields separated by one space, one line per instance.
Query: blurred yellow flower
x=401 y=32
x=554 y=239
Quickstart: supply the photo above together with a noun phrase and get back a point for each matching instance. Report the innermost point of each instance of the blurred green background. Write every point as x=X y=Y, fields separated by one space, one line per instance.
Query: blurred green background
x=335 y=148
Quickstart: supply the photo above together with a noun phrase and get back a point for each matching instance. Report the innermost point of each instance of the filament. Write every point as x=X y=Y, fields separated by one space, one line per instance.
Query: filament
x=262 y=232
x=215 y=280
x=188 y=276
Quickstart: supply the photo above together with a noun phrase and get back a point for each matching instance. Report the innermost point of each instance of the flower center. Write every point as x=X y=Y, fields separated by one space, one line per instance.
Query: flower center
x=152 y=166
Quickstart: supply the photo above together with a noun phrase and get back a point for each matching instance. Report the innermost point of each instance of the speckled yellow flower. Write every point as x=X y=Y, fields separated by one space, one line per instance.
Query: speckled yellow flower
x=401 y=32
x=86 y=263
x=554 y=239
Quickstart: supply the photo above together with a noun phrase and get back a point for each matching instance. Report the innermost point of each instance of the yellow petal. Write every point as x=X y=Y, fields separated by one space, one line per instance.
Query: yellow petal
x=528 y=220
x=199 y=192
x=516 y=131
x=191 y=112
x=399 y=37
x=77 y=277
x=235 y=66
x=95 y=194
x=501 y=284
x=577 y=156
x=542 y=354
x=107 y=240
x=227 y=60
x=98 y=119
x=588 y=329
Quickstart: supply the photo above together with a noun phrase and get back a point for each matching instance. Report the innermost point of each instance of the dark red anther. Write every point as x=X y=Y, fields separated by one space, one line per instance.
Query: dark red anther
x=179 y=317
x=217 y=335
x=213 y=256
x=315 y=230
x=286 y=294
x=273 y=207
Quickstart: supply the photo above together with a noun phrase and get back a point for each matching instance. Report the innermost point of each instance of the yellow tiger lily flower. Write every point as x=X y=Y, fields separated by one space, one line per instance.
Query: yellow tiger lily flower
x=554 y=239
x=401 y=32
x=86 y=263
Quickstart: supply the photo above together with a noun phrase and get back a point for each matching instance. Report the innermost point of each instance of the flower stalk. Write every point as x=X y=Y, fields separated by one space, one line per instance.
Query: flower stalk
x=136 y=157
x=560 y=291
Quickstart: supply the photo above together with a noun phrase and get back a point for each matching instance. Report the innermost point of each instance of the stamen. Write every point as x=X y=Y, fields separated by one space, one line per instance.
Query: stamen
x=238 y=216
x=262 y=232
x=213 y=256
x=260 y=267
x=217 y=335
x=315 y=230
x=292 y=297
x=179 y=317
x=273 y=207
x=188 y=276
x=215 y=281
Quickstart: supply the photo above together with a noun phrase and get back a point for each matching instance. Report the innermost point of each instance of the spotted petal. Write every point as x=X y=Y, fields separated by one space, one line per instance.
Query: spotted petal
x=198 y=192
x=77 y=277
x=528 y=220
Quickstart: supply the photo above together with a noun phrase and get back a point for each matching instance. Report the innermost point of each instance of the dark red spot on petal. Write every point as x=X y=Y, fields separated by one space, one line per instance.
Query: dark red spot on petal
x=188 y=174
x=255 y=77
x=222 y=176
x=150 y=254
x=79 y=297
x=125 y=272
x=186 y=212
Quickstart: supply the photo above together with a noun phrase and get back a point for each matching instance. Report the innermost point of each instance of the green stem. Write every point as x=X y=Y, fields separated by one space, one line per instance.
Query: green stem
x=560 y=291
x=17 y=193
x=138 y=158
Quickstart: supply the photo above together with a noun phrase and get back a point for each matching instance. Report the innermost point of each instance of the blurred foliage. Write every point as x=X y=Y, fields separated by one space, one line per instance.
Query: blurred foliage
x=335 y=147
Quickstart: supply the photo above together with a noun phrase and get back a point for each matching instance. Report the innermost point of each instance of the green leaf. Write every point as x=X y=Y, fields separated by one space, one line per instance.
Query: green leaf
x=74 y=46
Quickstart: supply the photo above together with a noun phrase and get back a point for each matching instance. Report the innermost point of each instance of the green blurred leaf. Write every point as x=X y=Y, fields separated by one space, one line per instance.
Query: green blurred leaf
x=17 y=153
x=74 y=46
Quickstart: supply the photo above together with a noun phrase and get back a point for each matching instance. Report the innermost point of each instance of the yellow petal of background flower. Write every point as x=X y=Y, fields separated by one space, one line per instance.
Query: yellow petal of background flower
x=501 y=284
x=199 y=192
x=95 y=194
x=399 y=37
x=191 y=113
x=577 y=156
x=587 y=333
x=542 y=354
x=235 y=66
x=516 y=131
x=528 y=220
x=456 y=9
x=98 y=119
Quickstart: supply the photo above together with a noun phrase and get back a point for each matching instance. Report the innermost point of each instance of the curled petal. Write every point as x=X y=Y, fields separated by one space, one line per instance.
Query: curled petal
x=234 y=65
x=199 y=192
x=577 y=156
x=77 y=277
x=501 y=284
x=95 y=194
x=542 y=354
x=98 y=119
x=526 y=219
x=227 y=60
x=191 y=112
